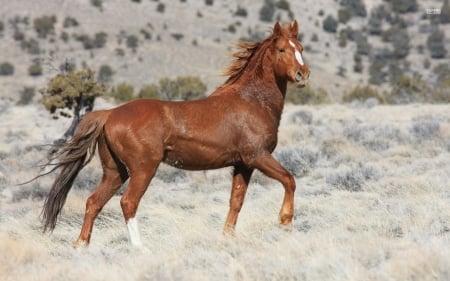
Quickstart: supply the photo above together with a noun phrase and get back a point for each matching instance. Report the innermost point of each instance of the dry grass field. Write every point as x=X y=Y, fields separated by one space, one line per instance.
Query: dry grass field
x=372 y=203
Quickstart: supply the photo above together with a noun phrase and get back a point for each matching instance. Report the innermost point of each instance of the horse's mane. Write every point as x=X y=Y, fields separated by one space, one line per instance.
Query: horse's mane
x=241 y=59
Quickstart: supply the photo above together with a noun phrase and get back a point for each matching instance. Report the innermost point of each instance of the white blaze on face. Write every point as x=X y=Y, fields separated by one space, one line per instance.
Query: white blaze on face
x=298 y=55
x=133 y=230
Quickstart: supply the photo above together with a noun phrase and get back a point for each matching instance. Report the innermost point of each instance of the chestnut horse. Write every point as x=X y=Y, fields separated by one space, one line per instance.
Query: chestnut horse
x=236 y=125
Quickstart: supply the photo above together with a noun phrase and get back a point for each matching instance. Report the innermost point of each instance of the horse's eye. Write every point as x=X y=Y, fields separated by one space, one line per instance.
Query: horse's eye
x=281 y=50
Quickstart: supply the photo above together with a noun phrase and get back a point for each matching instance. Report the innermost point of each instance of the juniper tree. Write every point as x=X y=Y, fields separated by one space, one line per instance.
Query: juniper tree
x=71 y=95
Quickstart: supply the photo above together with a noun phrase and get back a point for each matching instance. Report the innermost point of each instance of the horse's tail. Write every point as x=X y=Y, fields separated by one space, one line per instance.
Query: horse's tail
x=71 y=159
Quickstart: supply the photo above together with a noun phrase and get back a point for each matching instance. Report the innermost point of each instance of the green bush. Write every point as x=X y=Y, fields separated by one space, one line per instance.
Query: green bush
x=330 y=24
x=306 y=95
x=267 y=11
x=73 y=91
x=409 y=90
x=149 y=92
x=26 y=96
x=44 y=25
x=31 y=46
x=444 y=17
x=132 y=42
x=105 y=74
x=436 y=44
x=6 y=69
x=35 y=69
x=241 y=12
x=355 y=7
x=404 y=6
x=70 y=22
x=180 y=88
x=122 y=93
x=362 y=94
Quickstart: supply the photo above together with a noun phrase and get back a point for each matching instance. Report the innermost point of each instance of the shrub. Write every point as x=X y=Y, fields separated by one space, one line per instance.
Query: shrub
x=283 y=5
x=330 y=24
x=355 y=7
x=409 y=90
x=297 y=160
x=132 y=42
x=123 y=92
x=444 y=17
x=436 y=44
x=26 y=96
x=404 y=6
x=18 y=35
x=306 y=95
x=105 y=74
x=362 y=94
x=241 y=12
x=6 y=69
x=400 y=44
x=44 y=25
x=209 y=2
x=35 y=69
x=70 y=22
x=425 y=128
x=267 y=11
x=149 y=92
x=31 y=46
x=160 y=8
x=343 y=16
x=98 y=4
x=358 y=66
x=353 y=178
x=100 y=39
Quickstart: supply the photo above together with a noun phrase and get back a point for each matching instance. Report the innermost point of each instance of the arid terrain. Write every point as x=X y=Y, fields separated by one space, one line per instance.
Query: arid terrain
x=373 y=180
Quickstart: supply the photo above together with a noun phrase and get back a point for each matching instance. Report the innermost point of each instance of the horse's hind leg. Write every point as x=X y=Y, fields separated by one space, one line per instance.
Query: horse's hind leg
x=140 y=178
x=114 y=175
x=241 y=178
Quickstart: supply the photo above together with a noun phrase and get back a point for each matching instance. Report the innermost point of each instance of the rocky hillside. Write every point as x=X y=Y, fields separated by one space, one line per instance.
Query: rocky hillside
x=347 y=43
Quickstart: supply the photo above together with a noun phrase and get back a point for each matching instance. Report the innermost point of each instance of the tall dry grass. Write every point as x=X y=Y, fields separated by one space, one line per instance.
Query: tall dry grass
x=372 y=203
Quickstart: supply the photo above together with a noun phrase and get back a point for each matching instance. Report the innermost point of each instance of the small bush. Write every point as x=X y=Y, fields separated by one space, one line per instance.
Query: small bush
x=425 y=128
x=353 y=178
x=105 y=74
x=241 y=12
x=31 y=46
x=404 y=6
x=6 y=69
x=354 y=7
x=35 y=69
x=44 y=25
x=98 y=4
x=160 y=8
x=267 y=11
x=298 y=161
x=149 y=92
x=436 y=44
x=122 y=93
x=409 y=90
x=306 y=95
x=330 y=24
x=132 y=42
x=70 y=22
x=362 y=94
x=26 y=96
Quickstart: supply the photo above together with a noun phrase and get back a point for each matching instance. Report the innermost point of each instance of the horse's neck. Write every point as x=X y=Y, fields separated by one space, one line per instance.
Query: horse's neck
x=261 y=83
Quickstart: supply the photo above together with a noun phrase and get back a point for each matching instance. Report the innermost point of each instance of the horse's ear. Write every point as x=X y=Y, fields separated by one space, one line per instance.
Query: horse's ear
x=277 y=29
x=294 y=28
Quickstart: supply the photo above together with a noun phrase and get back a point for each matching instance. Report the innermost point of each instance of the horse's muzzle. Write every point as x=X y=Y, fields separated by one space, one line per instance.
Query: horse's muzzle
x=301 y=79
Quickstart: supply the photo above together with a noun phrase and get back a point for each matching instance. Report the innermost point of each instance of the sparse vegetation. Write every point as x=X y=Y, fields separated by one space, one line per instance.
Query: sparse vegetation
x=6 y=69
x=306 y=95
x=436 y=44
x=362 y=94
x=330 y=24
x=44 y=26
x=123 y=92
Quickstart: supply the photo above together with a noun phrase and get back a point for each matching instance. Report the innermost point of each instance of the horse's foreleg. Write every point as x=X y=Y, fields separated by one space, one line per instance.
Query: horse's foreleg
x=139 y=181
x=271 y=168
x=241 y=178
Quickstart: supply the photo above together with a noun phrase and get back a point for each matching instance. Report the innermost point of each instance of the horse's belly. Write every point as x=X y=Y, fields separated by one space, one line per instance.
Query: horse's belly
x=200 y=158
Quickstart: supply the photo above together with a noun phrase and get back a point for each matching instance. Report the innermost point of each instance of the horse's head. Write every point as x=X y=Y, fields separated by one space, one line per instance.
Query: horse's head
x=287 y=52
